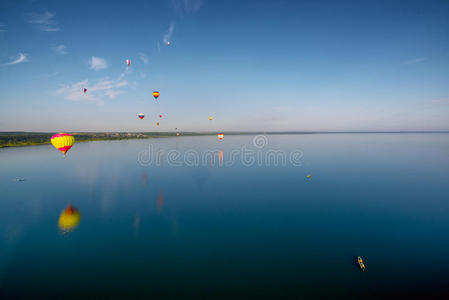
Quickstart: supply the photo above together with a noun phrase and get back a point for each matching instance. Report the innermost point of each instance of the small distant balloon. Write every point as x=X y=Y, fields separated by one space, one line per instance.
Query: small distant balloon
x=84 y=90
x=220 y=136
x=156 y=94
x=308 y=176
x=157 y=123
x=128 y=62
x=63 y=142
x=210 y=118
x=168 y=43
x=141 y=116
x=160 y=116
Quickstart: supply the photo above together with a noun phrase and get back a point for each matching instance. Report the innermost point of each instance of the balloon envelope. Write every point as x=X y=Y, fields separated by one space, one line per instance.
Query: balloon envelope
x=128 y=62
x=84 y=90
x=63 y=142
x=210 y=118
x=220 y=136
x=141 y=116
x=156 y=94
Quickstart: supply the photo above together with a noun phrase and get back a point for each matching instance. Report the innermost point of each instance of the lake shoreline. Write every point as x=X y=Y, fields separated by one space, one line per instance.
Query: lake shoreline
x=24 y=139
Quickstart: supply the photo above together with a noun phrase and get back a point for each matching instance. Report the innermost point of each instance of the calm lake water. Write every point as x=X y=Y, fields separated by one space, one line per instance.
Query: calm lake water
x=194 y=217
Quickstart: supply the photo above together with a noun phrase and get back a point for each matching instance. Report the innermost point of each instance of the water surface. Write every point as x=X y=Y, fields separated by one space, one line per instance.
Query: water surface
x=216 y=229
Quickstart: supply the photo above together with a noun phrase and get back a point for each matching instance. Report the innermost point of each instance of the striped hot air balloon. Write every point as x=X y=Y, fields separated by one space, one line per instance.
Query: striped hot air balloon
x=220 y=136
x=63 y=142
x=156 y=94
x=128 y=62
x=141 y=116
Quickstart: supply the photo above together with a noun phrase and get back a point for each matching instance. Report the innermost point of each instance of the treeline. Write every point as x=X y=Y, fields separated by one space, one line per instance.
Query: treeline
x=13 y=139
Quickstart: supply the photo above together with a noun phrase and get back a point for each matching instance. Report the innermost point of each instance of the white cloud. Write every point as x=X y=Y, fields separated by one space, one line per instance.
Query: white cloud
x=17 y=60
x=60 y=50
x=143 y=57
x=44 y=21
x=185 y=7
x=167 y=36
x=97 y=63
x=103 y=89
x=415 y=60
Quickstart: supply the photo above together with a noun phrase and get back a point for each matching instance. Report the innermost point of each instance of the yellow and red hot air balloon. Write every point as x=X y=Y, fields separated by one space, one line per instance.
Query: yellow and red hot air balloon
x=156 y=94
x=69 y=218
x=63 y=142
x=220 y=136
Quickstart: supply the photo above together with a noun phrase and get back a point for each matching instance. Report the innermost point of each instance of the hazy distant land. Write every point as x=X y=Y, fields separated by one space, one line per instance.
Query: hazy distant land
x=18 y=139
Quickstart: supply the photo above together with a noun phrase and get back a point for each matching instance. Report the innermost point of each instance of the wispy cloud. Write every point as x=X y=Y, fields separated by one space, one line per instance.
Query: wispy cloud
x=60 y=50
x=97 y=63
x=167 y=36
x=185 y=7
x=2 y=27
x=415 y=60
x=17 y=59
x=44 y=21
x=143 y=57
x=103 y=89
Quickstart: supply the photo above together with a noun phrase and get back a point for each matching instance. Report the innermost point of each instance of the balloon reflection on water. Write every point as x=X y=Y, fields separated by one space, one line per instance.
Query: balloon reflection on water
x=69 y=219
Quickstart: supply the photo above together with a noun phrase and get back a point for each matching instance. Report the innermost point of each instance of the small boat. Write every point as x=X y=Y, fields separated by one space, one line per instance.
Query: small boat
x=361 y=264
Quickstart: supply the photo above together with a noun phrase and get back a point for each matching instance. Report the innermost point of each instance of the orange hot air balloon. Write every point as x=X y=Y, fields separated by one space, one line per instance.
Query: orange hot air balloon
x=63 y=142
x=210 y=118
x=157 y=123
x=220 y=136
x=156 y=94
x=69 y=218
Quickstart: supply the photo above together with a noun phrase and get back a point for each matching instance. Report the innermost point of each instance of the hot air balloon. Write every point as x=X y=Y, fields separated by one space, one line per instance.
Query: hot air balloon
x=141 y=116
x=157 y=123
x=156 y=94
x=160 y=116
x=63 y=142
x=84 y=90
x=128 y=62
x=69 y=218
x=168 y=43
x=220 y=136
x=210 y=118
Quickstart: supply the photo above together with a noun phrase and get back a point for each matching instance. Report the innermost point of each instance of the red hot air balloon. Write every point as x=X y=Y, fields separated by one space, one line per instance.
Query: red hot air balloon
x=156 y=94
x=160 y=116
x=141 y=116
x=128 y=62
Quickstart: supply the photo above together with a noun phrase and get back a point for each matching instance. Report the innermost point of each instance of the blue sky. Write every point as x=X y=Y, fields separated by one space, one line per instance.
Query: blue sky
x=253 y=65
